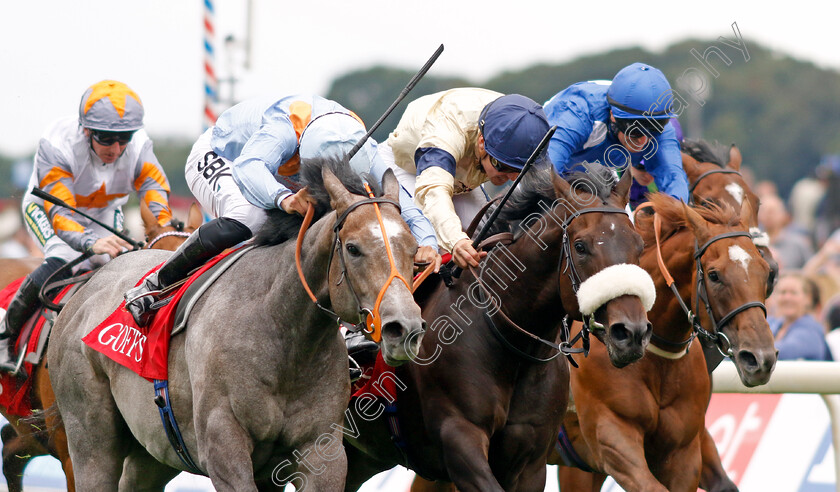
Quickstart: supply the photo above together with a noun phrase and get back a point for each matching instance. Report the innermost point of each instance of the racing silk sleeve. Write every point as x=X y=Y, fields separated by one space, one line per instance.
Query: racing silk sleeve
x=434 y=189
x=253 y=170
x=666 y=166
x=420 y=226
x=55 y=176
x=574 y=129
x=151 y=184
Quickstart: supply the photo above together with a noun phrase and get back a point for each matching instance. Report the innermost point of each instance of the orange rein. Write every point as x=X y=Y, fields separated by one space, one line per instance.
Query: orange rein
x=657 y=228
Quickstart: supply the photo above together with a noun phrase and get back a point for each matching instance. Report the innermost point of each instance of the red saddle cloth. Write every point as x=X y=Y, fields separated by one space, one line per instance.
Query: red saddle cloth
x=143 y=350
x=15 y=390
x=378 y=380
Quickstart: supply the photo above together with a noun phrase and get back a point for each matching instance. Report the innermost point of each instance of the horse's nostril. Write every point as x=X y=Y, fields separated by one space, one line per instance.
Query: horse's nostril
x=619 y=333
x=747 y=359
x=393 y=329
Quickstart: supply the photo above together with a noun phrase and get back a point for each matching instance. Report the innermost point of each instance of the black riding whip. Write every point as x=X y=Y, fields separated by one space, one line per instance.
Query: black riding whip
x=411 y=83
x=61 y=203
x=486 y=227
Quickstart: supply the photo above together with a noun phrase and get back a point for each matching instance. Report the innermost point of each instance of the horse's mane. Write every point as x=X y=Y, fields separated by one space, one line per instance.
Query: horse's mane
x=703 y=151
x=538 y=185
x=673 y=218
x=280 y=226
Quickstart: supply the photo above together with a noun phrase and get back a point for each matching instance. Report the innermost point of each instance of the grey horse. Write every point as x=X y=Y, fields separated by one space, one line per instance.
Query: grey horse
x=259 y=380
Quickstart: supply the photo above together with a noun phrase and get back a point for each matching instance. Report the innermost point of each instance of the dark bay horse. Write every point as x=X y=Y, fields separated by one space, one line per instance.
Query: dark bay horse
x=481 y=404
x=259 y=380
x=644 y=425
x=42 y=434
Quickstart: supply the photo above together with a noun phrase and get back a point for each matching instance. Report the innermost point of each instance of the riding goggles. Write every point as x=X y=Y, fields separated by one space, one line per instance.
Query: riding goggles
x=502 y=168
x=110 y=138
x=638 y=128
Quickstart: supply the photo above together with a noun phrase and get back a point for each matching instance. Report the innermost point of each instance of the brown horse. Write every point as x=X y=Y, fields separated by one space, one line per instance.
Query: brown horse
x=481 y=404
x=42 y=434
x=644 y=426
x=714 y=176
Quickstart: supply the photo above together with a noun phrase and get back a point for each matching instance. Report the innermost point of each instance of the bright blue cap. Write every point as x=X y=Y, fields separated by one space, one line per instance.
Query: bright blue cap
x=639 y=90
x=512 y=126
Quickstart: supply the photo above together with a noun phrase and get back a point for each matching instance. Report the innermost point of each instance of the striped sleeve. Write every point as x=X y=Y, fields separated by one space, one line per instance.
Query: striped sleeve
x=151 y=184
x=56 y=178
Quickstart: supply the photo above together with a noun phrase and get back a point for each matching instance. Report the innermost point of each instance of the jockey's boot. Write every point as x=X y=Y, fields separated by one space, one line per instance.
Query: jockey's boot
x=361 y=352
x=206 y=242
x=24 y=305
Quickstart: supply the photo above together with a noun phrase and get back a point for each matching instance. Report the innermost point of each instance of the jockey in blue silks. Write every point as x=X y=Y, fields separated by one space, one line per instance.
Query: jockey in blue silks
x=620 y=123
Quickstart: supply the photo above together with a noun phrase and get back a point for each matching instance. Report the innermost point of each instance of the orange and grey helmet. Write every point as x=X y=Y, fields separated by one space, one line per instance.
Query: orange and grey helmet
x=111 y=106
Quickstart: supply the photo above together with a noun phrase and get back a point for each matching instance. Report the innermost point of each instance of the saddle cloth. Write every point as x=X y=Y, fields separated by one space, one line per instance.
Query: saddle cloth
x=15 y=390
x=146 y=350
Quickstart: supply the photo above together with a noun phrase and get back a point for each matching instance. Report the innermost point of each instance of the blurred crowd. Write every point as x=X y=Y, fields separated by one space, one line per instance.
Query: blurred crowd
x=804 y=231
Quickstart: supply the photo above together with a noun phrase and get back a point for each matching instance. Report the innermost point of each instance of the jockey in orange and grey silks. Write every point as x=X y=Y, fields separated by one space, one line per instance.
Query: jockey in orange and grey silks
x=67 y=168
x=92 y=163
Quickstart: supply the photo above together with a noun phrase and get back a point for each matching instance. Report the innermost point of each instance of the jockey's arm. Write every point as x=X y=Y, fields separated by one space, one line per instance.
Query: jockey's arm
x=152 y=185
x=420 y=226
x=574 y=128
x=55 y=176
x=666 y=166
x=434 y=189
x=253 y=170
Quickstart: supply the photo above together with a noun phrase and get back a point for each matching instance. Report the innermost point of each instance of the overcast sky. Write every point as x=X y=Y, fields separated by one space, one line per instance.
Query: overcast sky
x=52 y=50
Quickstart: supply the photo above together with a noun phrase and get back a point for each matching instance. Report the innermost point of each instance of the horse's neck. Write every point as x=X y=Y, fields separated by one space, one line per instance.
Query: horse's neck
x=671 y=322
x=315 y=253
x=524 y=276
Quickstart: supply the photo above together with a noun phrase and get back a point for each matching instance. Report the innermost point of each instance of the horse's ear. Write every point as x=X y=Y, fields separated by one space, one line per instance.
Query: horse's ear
x=149 y=219
x=622 y=188
x=746 y=213
x=340 y=198
x=562 y=188
x=689 y=163
x=696 y=223
x=734 y=158
x=194 y=218
x=390 y=185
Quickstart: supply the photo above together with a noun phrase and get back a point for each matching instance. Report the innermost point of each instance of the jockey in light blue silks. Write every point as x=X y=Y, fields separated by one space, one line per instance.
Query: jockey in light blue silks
x=248 y=163
x=620 y=123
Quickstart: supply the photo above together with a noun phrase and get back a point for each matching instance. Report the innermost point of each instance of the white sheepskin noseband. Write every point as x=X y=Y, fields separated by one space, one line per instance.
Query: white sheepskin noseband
x=616 y=281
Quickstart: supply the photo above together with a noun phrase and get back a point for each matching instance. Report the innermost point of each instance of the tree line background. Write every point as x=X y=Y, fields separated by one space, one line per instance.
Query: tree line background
x=783 y=113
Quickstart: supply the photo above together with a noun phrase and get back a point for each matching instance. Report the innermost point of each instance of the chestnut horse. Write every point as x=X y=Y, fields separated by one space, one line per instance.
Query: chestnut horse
x=644 y=426
x=43 y=433
x=481 y=404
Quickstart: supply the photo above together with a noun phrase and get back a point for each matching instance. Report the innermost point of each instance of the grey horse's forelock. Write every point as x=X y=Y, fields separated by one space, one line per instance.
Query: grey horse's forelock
x=703 y=151
x=279 y=226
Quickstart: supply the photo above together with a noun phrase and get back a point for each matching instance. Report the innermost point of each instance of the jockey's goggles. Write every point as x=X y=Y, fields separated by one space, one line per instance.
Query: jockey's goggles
x=502 y=168
x=110 y=138
x=638 y=128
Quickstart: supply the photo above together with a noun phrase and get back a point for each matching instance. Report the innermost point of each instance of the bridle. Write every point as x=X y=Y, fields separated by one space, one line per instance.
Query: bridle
x=565 y=347
x=700 y=178
x=370 y=320
x=716 y=337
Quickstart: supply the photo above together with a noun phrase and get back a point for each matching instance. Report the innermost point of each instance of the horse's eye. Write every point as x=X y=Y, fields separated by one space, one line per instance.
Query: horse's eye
x=353 y=250
x=713 y=276
x=580 y=247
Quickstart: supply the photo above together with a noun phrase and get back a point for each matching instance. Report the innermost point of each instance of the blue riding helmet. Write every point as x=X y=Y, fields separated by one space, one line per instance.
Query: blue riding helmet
x=640 y=90
x=512 y=126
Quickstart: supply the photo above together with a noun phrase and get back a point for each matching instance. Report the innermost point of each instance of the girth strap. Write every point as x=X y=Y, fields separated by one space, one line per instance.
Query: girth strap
x=170 y=426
